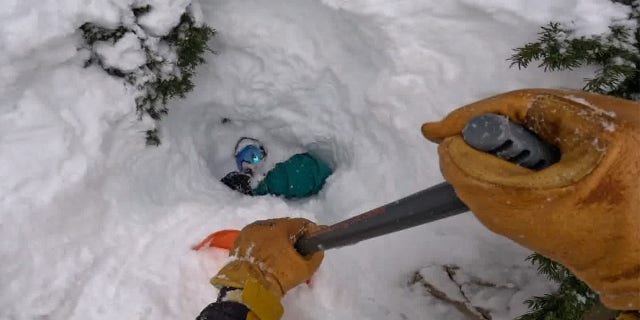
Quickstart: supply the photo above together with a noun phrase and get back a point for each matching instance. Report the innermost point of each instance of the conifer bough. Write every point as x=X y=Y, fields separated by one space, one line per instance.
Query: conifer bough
x=161 y=78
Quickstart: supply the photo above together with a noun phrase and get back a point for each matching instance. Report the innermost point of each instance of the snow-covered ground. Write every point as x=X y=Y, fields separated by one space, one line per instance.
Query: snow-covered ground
x=94 y=225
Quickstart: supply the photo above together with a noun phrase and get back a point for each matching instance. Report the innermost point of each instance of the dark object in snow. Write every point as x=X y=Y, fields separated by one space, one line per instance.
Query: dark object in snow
x=508 y=140
x=224 y=310
x=238 y=181
x=435 y=203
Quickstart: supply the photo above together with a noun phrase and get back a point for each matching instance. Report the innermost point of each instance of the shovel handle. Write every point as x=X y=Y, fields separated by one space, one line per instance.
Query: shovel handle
x=489 y=133
x=435 y=203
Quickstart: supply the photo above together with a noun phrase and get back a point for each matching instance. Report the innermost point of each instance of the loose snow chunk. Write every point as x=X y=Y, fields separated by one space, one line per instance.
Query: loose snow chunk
x=608 y=126
x=611 y=114
x=125 y=55
x=596 y=16
x=579 y=100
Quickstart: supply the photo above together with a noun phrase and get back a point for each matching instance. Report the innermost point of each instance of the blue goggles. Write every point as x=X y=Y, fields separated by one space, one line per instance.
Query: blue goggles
x=251 y=154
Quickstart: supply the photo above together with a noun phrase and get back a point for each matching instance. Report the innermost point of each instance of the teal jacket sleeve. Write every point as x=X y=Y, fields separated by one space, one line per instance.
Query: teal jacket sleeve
x=302 y=175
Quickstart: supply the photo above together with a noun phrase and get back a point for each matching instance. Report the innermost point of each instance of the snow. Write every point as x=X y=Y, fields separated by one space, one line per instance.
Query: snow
x=125 y=55
x=164 y=16
x=93 y=225
x=579 y=100
x=585 y=17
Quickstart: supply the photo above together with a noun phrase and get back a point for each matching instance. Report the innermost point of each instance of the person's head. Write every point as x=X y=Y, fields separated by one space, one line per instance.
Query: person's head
x=251 y=154
x=249 y=151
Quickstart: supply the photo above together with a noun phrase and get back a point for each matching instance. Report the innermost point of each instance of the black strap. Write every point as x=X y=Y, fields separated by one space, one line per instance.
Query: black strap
x=235 y=150
x=226 y=310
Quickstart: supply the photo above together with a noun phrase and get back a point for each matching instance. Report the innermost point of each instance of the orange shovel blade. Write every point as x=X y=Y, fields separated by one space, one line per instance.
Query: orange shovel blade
x=223 y=239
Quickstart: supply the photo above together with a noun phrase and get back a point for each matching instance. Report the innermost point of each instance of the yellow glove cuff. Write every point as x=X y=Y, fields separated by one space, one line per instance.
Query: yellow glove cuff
x=629 y=315
x=262 y=301
x=263 y=304
x=236 y=273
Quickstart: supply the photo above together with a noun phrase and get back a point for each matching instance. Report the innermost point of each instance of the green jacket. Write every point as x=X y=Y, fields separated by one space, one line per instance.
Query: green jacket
x=301 y=176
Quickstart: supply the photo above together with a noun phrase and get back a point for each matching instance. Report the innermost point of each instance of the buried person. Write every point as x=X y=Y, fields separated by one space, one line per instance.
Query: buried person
x=300 y=176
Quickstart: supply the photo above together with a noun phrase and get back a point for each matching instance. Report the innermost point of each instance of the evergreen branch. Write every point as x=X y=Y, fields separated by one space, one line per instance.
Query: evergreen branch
x=159 y=79
x=551 y=269
x=572 y=300
x=616 y=54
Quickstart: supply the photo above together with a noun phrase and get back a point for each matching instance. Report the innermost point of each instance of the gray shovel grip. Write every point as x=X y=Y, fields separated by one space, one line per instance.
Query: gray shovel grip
x=510 y=141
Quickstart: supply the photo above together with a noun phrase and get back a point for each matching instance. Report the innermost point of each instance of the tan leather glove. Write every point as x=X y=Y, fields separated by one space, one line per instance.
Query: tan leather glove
x=267 y=264
x=583 y=211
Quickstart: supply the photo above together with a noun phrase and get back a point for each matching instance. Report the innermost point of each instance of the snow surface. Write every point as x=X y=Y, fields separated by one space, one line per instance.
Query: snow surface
x=93 y=225
x=126 y=54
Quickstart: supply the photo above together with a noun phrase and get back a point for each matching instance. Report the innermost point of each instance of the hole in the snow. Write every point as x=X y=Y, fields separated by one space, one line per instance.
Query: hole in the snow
x=255 y=160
